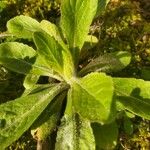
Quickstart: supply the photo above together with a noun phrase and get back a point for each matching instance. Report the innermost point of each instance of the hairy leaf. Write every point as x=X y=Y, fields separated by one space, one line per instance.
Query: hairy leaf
x=58 y=58
x=134 y=95
x=21 y=58
x=66 y=134
x=105 y=135
x=17 y=57
x=68 y=68
x=74 y=133
x=41 y=67
x=49 y=49
x=51 y=29
x=73 y=23
x=23 y=26
x=48 y=120
x=111 y=62
x=93 y=97
x=18 y=115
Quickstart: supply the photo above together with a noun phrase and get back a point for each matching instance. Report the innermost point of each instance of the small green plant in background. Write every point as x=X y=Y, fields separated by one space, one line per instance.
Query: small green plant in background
x=80 y=104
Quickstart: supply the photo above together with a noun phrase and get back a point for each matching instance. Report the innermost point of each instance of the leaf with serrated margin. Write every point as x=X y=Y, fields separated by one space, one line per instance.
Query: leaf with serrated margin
x=40 y=67
x=50 y=50
x=92 y=97
x=23 y=26
x=51 y=29
x=54 y=54
x=76 y=17
x=110 y=62
x=133 y=95
x=18 y=115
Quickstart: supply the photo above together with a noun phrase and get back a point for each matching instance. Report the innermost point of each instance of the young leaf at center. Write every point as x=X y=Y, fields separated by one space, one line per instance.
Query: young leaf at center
x=74 y=24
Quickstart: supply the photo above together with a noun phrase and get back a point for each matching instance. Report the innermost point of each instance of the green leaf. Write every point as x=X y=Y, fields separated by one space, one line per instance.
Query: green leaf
x=35 y=89
x=133 y=95
x=90 y=42
x=75 y=135
x=23 y=26
x=30 y=80
x=73 y=23
x=50 y=50
x=129 y=114
x=110 y=62
x=128 y=125
x=48 y=120
x=101 y=6
x=68 y=68
x=58 y=58
x=40 y=67
x=18 y=115
x=17 y=57
x=21 y=58
x=85 y=134
x=92 y=97
x=105 y=135
x=51 y=29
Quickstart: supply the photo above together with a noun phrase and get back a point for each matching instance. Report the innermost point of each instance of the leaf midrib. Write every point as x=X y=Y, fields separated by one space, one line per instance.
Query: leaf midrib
x=125 y=94
x=36 y=66
x=136 y=108
x=32 y=109
x=51 y=53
